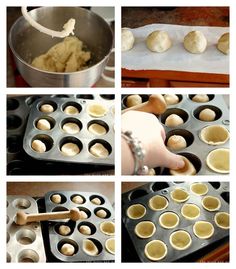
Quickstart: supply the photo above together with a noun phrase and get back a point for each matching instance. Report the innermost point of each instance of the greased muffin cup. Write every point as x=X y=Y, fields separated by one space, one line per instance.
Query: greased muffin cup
x=179 y=238
x=195 y=131
x=64 y=143
x=24 y=243
x=90 y=236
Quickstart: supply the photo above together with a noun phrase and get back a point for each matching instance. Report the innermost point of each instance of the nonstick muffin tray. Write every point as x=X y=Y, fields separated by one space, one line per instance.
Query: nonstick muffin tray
x=24 y=243
x=196 y=151
x=56 y=136
x=56 y=240
x=19 y=162
x=141 y=195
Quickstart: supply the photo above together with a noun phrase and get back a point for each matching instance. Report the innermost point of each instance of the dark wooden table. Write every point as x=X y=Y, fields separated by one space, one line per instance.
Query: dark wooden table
x=133 y=17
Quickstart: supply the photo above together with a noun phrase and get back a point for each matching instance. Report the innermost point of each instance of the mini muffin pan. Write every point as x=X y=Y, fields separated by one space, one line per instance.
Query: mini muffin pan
x=56 y=137
x=75 y=237
x=18 y=161
x=143 y=194
x=196 y=150
x=24 y=243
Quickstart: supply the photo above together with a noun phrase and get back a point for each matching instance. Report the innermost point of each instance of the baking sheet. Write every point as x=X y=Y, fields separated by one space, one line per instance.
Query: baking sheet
x=177 y=58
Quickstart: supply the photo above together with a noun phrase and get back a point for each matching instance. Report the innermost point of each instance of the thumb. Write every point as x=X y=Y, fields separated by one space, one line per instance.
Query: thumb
x=172 y=161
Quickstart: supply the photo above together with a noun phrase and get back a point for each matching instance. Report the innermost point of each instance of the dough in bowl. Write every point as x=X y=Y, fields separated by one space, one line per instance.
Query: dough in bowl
x=66 y=56
x=195 y=42
x=223 y=43
x=127 y=39
x=158 y=41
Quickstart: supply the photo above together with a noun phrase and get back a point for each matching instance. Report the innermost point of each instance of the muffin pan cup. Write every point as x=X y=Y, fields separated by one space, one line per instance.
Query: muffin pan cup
x=76 y=236
x=194 y=125
x=57 y=134
x=146 y=192
x=24 y=243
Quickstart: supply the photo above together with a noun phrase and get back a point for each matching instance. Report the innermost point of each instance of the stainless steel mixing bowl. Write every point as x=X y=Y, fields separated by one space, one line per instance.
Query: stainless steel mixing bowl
x=26 y=43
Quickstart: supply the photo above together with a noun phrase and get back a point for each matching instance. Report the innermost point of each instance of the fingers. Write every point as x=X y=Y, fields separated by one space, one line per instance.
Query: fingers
x=172 y=161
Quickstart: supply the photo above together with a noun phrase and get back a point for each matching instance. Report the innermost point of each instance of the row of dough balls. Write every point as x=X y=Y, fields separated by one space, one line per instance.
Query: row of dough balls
x=159 y=41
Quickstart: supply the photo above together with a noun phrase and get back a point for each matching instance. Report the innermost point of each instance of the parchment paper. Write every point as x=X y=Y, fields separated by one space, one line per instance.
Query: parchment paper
x=177 y=58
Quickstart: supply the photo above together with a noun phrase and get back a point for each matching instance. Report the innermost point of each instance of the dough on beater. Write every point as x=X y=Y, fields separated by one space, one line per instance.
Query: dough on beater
x=97 y=129
x=43 y=124
x=98 y=150
x=158 y=41
x=71 y=128
x=176 y=142
x=171 y=99
x=38 y=146
x=56 y=198
x=133 y=100
x=195 y=42
x=66 y=56
x=173 y=120
x=200 y=98
x=127 y=39
x=78 y=199
x=46 y=108
x=71 y=110
x=64 y=230
x=207 y=114
x=67 y=249
x=84 y=229
x=223 y=43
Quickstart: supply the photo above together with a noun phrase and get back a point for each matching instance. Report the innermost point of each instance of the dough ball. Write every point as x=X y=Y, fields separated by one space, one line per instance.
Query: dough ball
x=46 y=108
x=200 y=98
x=158 y=41
x=207 y=114
x=78 y=199
x=66 y=56
x=195 y=42
x=38 y=146
x=43 y=124
x=223 y=43
x=67 y=249
x=64 y=230
x=171 y=99
x=101 y=213
x=84 y=215
x=71 y=110
x=70 y=149
x=127 y=39
x=173 y=120
x=84 y=229
x=98 y=150
x=96 y=201
x=176 y=142
x=133 y=100
x=151 y=172
x=71 y=128
x=56 y=198
x=96 y=110
x=97 y=129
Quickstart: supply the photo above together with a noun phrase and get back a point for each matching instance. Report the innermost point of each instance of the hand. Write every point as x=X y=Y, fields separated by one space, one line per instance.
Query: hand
x=147 y=128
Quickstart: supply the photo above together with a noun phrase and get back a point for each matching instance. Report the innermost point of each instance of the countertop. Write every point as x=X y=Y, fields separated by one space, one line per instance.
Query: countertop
x=133 y=17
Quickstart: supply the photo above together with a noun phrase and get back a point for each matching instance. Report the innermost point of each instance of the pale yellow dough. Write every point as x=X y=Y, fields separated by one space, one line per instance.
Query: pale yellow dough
x=65 y=56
